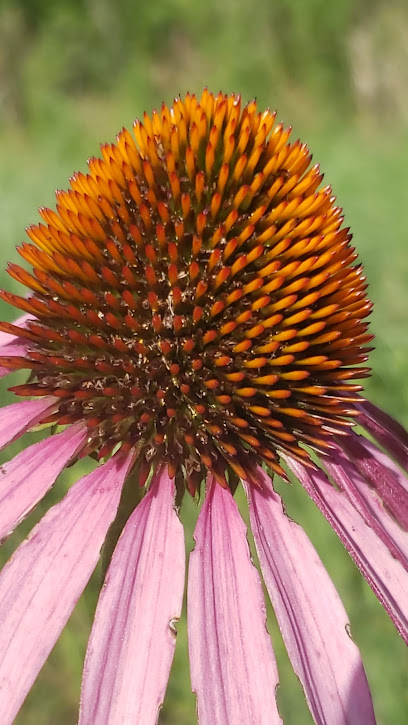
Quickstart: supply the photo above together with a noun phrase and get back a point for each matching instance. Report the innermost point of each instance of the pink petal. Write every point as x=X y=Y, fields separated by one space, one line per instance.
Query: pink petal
x=6 y=338
x=380 y=473
x=233 y=669
x=26 y=478
x=132 y=641
x=11 y=349
x=368 y=502
x=385 y=575
x=390 y=434
x=42 y=582
x=17 y=418
x=310 y=614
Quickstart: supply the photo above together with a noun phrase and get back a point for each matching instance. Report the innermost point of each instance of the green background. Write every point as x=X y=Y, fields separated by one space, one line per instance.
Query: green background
x=73 y=73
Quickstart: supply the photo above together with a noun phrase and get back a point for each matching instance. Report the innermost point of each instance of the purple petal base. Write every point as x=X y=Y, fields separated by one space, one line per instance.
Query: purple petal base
x=386 y=431
x=381 y=473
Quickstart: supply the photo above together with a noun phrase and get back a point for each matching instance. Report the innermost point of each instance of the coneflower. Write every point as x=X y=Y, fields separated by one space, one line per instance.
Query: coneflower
x=196 y=319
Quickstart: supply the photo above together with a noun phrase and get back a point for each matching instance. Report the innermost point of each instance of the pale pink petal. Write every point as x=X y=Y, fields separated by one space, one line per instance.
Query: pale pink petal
x=233 y=668
x=381 y=473
x=6 y=338
x=385 y=575
x=132 y=641
x=26 y=478
x=310 y=614
x=41 y=583
x=390 y=434
x=17 y=418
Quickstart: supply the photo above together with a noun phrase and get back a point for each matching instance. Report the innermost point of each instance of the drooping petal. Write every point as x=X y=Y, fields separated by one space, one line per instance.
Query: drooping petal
x=6 y=338
x=26 y=478
x=17 y=418
x=381 y=473
x=385 y=575
x=390 y=434
x=132 y=643
x=385 y=461
x=41 y=583
x=310 y=614
x=233 y=670
x=369 y=502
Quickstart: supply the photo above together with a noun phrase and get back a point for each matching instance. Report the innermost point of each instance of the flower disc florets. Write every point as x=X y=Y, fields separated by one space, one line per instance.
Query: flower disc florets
x=196 y=294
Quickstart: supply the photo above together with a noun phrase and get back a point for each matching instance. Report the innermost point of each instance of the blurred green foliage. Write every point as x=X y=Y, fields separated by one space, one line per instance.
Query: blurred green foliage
x=73 y=72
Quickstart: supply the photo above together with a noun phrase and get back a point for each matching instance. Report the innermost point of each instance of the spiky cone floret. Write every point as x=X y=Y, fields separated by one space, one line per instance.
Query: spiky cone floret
x=196 y=293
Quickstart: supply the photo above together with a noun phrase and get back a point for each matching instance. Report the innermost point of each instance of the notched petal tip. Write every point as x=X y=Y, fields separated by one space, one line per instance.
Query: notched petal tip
x=173 y=626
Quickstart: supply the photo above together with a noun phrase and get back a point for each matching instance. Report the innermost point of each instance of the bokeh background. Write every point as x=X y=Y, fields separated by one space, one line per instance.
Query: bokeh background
x=73 y=72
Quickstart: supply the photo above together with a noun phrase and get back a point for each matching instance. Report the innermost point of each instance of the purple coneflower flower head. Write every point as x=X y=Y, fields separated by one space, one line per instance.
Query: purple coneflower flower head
x=196 y=321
